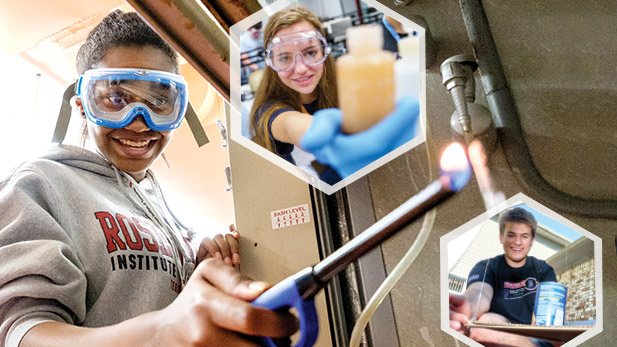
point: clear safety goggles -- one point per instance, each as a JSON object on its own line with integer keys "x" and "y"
{"x": 283, "y": 50}
{"x": 114, "y": 97}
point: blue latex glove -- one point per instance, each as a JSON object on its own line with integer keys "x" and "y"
{"x": 349, "y": 153}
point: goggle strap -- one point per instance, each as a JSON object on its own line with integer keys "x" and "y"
{"x": 64, "y": 116}
{"x": 198, "y": 131}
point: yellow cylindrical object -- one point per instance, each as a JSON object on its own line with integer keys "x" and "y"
{"x": 255, "y": 79}
{"x": 365, "y": 78}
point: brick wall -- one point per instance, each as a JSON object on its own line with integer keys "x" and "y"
{"x": 580, "y": 281}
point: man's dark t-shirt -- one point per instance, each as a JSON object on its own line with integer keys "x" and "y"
{"x": 514, "y": 289}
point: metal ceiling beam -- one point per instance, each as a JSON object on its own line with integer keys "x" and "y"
{"x": 200, "y": 39}
{"x": 229, "y": 12}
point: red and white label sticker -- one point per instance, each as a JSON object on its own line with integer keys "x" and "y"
{"x": 290, "y": 216}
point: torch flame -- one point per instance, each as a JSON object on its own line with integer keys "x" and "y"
{"x": 478, "y": 159}
{"x": 455, "y": 165}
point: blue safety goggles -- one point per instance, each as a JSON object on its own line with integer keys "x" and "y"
{"x": 114, "y": 97}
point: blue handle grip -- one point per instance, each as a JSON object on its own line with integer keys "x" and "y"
{"x": 285, "y": 295}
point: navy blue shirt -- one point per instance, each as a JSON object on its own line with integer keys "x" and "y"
{"x": 284, "y": 149}
{"x": 514, "y": 289}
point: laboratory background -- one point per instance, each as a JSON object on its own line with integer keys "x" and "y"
{"x": 539, "y": 93}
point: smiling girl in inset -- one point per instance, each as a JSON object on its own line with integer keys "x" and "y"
{"x": 296, "y": 103}
{"x": 298, "y": 81}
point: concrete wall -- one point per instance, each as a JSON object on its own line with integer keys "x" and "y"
{"x": 567, "y": 111}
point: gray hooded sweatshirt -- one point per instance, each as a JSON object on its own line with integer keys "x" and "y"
{"x": 83, "y": 243}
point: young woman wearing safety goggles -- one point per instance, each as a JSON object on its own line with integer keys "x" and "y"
{"x": 300, "y": 82}
{"x": 91, "y": 255}
{"x": 132, "y": 109}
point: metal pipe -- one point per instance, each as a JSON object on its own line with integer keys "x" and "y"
{"x": 415, "y": 207}
{"x": 199, "y": 39}
{"x": 508, "y": 124}
{"x": 454, "y": 78}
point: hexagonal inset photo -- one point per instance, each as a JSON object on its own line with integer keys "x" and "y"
{"x": 522, "y": 277}
{"x": 327, "y": 90}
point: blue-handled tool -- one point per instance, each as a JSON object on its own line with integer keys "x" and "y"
{"x": 299, "y": 290}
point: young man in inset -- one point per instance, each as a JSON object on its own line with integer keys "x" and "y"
{"x": 503, "y": 289}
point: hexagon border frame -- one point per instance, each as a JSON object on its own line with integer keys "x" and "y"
{"x": 514, "y": 200}
{"x": 235, "y": 109}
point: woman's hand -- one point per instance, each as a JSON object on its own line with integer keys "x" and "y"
{"x": 214, "y": 310}
{"x": 350, "y": 153}
{"x": 223, "y": 247}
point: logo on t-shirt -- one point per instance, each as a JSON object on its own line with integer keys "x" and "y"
{"x": 520, "y": 289}
{"x": 473, "y": 277}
